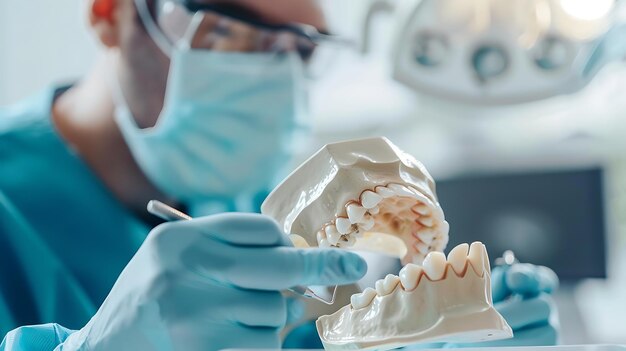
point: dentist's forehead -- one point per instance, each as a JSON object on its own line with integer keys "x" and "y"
{"x": 282, "y": 11}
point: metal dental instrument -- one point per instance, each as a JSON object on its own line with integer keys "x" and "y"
{"x": 168, "y": 213}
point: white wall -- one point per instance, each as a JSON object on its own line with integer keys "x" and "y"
{"x": 42, "y": 42}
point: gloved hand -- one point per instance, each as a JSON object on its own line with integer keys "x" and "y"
{"x": 521, "y": 293}
{"x": 210, "y": 283}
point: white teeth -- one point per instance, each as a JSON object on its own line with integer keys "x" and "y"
{"x": 438, "y": 213}
{"x": 343, "y": 225}
{"x": 477, "y": 256}
{"x": 321, "y": 235}
{"x": 367, "y": 223}
{"x": 426, "y": 221}
{"x": 401, "y": 190}
{"x": 347, "y": 241}
{"x": 363, "y": 299}
{"x": 355, "y": 213}
{"x": 435, "y": 265}
{"x": 422, "y": 248}
{"x": 426, "y": 236}
{"x": 333, "y": 236}
{"x": 458, "y": 257}
{"x": 370, "y": 199}
{"x": 387, "y": 285}
{"x": 385, "y": 192}
{"x": 323, "y": 243}
{"x": 421, "y": 209}
{"x": 374, "y": 210}
{"x": 409, "y": 275}
{"x": 418, "y": 258}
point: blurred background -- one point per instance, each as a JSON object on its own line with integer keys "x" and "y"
{"x": 545, "y": 178}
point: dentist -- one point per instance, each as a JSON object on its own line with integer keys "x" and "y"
{"x": 195, "y": 104}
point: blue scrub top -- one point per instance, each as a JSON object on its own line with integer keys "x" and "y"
{"x": 64, "y": 239}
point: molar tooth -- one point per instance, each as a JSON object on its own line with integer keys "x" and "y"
{"x": 426, "y": 235}
{"x": 457, "y": 257}
{"x": 426, "y": 221}
{"x": 385, "y": 192}
{"x": 435, "y": 265}
{"x": 422, "y": 248}
{"x": 409, "y": 276}
{"x": 343, "y": 225}
{"x": 387, "y": 285}
{"x": 333, "y": 236}
{"x": 370, "y": 199}
{"x": 421, "y": 209}
{"x": 363, "y": 299}
{"x": 401, "y": 190}
{"x": 355, "y": 213}
{"x": 477, "y": 256}
{"x": 374, "y": 210}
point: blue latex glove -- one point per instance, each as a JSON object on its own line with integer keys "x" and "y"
{"x": 210, "y": 283}
{"x": 521, "y": 293}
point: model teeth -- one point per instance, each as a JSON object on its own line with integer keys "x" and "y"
{"x": 370, "y": 199}
{"x": 324, "y": 243}
{"x": 401, "y": 190}
{"x": 347, "y": 241}
{"x": 426, "y": 236}
{"x": 457, "y": 258}
{"x": 332, "y": 235}
{"x": 363, "y": 299}
{"x": 343, "y": 225}
{"x": 422, "y": 248}
{"x": 387, "y": 286}
{"x": 355, "y": 213}
{"x": 421, "y": 209}
{"x": 385, "y": 192}
{"x": 426, "y": 221}
{"x": 476, "y": 256}
{"x": 409, "y": 276}
{"x": 374, "y": 210}
{"x": 367, "y": 223}
{"x": 435, "y": 265}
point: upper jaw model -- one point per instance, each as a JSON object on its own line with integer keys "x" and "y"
{"x": 358, "y": 189}
{"x": 365, "y": 194}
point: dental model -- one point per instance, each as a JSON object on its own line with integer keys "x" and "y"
{"x": 353, "y": 189}
{"x": 443, "y": 300}
{"x": 369, "y": 195}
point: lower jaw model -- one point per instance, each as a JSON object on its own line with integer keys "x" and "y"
{"x": 369, "y": 195}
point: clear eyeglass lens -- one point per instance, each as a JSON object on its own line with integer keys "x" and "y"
{"x": 221, "y": 33}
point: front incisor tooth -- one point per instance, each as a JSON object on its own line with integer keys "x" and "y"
{"x": 385, "y": 192}
{"x": 355, "y": 213}
{"x": 387, "y": 285}
{"x": 370, "y": 199}
{"x": 409, "y": 276}
{"x": 332, "y": 234}
{"x": 363, "y": 299}
{"x": 324, "y": 243}
{"x": 435, "y": 265}
{"x": 343, "y": 225}
{"x": 477, "y": 257}
{"x": 321, "y": 235}
{"x": 458, "y": 257}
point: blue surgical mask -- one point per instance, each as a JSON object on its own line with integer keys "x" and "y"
{"x": 226, "y": 128}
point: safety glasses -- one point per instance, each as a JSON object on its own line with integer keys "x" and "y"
{"x": 224, "y": 26}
